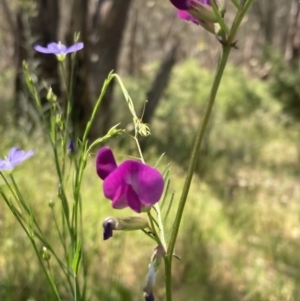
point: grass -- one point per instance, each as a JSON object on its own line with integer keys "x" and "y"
{"x": 243, "y": 247}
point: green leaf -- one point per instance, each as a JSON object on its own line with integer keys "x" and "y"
{"x": 177, "y": 257}
{"x": 159, "y": 159}
{"x": 31, "y": 223}
{"x": 165, "y": 194}
{"x": 77, "y": 258}
{"x": 169, "y": 208}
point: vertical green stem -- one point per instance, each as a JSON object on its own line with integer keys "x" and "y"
{"x": 168, "y": 277}
{"x": 191, "y": 168}
{"x": 227, "y": 45}
{"x": 197, "y": 145}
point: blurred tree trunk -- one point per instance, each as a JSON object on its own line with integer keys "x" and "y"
{"x": 81, "y": 97}
{"x": 132, "y": 42}
{"x": 37, "y": 23}
{"x": 105, "y": 43}
{"x": 265, "y": 12}
{"x": 292, "y": 50}
{"x": 102, "y": 40}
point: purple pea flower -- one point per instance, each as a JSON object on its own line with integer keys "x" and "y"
{"x": 199, "y": 12}
{"x": 131, "y": 184}
{"x": 187, "y": 4}
{"x": 15, "y": 157}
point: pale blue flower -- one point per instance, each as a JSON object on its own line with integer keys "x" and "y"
{"x": 15, "y": 157}
{"x": 58, "y": 48}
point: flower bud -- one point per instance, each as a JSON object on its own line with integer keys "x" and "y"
{"x": 71, "y": 147}
{"x": 148, "y": 297}
{"x": 126, "y": 224}
{"x": 51, "y": 203}
{"x": 202, "y": 11}
{"x": 59, "y": 122}
{"x": 150, "y": 280}
{"x": 114, "y": 132}
{"x": 46, "y": 255}
{"x": 156, "y": 258}
{"x": 51, "y": 96}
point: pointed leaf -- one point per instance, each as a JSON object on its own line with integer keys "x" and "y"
{"x": 77, "y": 259}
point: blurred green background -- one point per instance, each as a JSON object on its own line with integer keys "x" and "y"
{"x": 240, "y": 236}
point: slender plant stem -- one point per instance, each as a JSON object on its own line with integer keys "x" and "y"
{"x": 168, "y": 278}
{"x": 197, "y": 145}
{"x": 96, "y": 107}
{"x": 227, "y": 45}
{"x": 191, "y": 168}
{"x": 237, "y": 21}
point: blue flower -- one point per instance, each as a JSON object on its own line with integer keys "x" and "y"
{"x": 58, "y": 48}
{"x": 15, "y": 157}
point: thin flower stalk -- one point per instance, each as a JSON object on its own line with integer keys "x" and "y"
{"x": 226, "y": 48}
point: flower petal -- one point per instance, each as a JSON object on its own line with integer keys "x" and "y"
{"x": 42, "y": 49}
{"x": 5, "y": 165}
{"x": 118, "y": 198}
{"x": 181, "y": 4}
{"x": 105, "y": 162}
{"x": 184, "y": 15}
{"x": 74, "y": 48}
{"x": 133, "y": 200}
{"x": 17, "y": 156}
{"x": 150, "y": 183}
{"x": 145, "y": 180}
{"x": 57, "y": 48}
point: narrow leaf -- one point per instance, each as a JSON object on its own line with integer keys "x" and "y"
{"x": 169, "y": 207}
{"x": 77, "y": 259}
{"x": 159, "y": 159}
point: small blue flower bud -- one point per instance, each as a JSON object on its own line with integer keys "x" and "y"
{"x": 71, "y": 147}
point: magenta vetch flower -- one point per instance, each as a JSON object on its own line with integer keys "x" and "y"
{"x": 199, "y": 12}
{"x": 131, "y": 184}
{"x": 58, "y": 48}
{"x": 187, "y": 4}
{"x": 15, "y": 157}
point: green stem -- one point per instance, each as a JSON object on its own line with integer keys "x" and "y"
{"x": 191, "y": 168}
{"x": 237, "y": 21}
{"x": 168, "y": 278}
{"x": 198, "y": 141}
{"x": 90, "y": 122}
{"x": 160, "y": 226}
{"x": 30, "y": 236}
{"x": 197, "y": 145}
{"x": 236, "y": 4}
